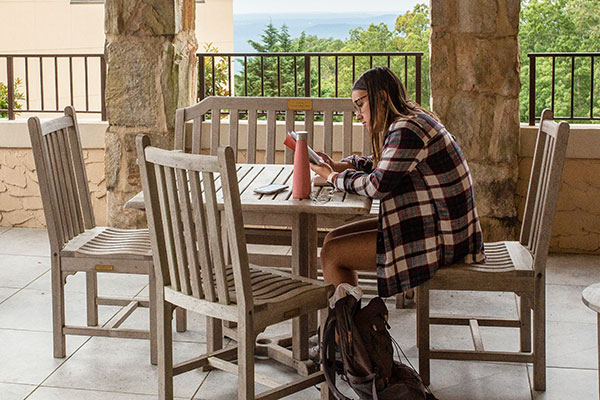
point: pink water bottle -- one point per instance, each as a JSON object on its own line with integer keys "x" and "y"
{"x": 301, "y": 180}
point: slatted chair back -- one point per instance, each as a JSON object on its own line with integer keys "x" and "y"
{"x": 292, "y": 110}
{"x": 181, "y": 193}
{"x": 62, "y": 177}
{"x": 544, "y": 184}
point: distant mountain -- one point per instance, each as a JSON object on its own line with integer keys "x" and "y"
{"x": 336, "y": 25}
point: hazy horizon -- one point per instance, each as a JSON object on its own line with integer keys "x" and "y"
{"x": 310, "y": 6}
{"x": 250, "y": 26}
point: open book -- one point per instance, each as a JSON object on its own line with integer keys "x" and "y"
{"x": 290, "y": 141}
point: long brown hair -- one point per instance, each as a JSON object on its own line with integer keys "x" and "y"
{"x": 388, "y": 102}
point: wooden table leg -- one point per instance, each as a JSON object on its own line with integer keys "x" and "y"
{"x": 304, "y": 263}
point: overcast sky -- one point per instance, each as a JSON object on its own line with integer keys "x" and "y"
{"x": 287, "y": 6}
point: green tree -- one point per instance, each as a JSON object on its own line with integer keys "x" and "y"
{"x": 412, "y": 34}
{"x": 377, "y": 37}
{"x": 220, "y": 72}
{"x": 18, "y": 96}
{"x": 309, "y": 44}
{"x": 413, "y": 29}
{"x": 278, "y": 77}
{"x": 249, "y": 80}
{"x": 559, "y": 26}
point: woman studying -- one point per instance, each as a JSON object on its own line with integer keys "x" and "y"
{"x": 427, "y": 217}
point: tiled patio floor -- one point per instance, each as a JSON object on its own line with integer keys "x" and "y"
{"x": 108, "y": 368}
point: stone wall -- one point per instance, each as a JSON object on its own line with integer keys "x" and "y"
{"x": 20, "y": 201}
{"x": 475, "y": 87}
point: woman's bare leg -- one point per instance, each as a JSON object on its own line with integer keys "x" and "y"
{"x": 344, "y": 254}
{"x": 333, "y": 269}
{"x": 358, "y": 226}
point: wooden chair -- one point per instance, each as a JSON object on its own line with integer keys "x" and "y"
{"x": 76, "y": 243}
{"x": 511, "y": 266}
{"x": 199, "y": 270}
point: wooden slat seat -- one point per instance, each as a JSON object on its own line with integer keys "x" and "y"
{"x": 106, "y": 241}
{"x": 501, "y": 258}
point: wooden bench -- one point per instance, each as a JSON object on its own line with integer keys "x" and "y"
{"x": 256, "y": 127}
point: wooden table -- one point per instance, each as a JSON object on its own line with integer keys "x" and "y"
{"x": 282, "y": 210}
{"x": 591, "y": 298}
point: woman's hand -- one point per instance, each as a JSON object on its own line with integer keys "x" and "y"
{"x": 336, "y": 166}
{"x": 323, "y": 169}
{"x": 326, "y": 158}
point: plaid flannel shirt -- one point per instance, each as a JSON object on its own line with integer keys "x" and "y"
{"x": 427, "y": 215}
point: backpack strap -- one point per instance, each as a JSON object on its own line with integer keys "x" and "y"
{"x": 352, "y": 380}
{"x": 328, "y": 364}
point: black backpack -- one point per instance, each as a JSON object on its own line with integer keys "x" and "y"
{"x": 367, "y": 354}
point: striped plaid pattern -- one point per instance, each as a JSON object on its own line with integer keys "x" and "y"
{"x": 427, "y": 215}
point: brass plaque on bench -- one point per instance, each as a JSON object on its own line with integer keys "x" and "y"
{"x": 299, "y": 104}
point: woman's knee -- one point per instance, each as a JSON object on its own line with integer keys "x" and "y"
{"x": 326, "y": 251}
{"x": 330, "y": 259}
{"x": 330, "y": 235}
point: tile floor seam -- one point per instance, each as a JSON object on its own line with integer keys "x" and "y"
{"x": 572, "y": 368}
{"x": 91, "y": 390}
{"x": 15, "y": 383}
{"x": 26, "y": 330}
{"x": 18, "y": 290}
{"x": 67, "y": 358}
{"x": 200, "y": 386}
{"x": 189, "y": 341}
{"x": 32, "y": 392}
{"x": 530, "y": 383}
{"x": 27, "y": 284}
{"x": 23, "y": 255}
{"x": 39, "y": 277}
{"x": 566, "y": 284}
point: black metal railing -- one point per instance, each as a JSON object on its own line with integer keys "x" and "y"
{"x": 304, "y": 72}
{"x": 576, "y": 100}
{"x": 46, "y": 83}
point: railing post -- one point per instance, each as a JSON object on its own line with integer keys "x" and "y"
{"x": 307, "y": 75}
{"x": 214, "y": 87}
{"x": 418, "y": 79}
{"x": 103, "y": 88}
{"x": 11, "y": 87}
{"x": 531, "y": 90}
{"x": 200, "y": 78}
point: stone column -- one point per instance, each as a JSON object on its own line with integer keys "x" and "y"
{"x": 475, "y": 90}
{"x": 150, "y": 52}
